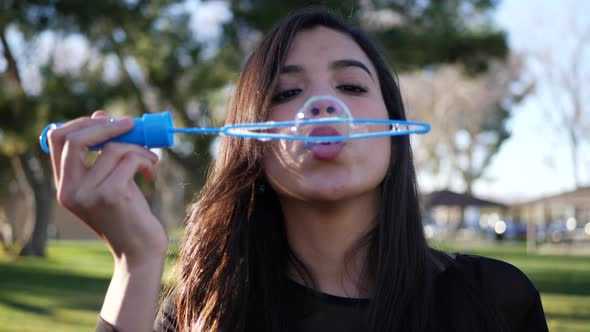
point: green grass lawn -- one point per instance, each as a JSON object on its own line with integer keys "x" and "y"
{"x": 64, "y": 291}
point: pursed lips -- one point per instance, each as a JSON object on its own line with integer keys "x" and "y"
{"x": 325, "y": 150}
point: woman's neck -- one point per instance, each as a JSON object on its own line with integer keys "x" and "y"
{"x": 326, "y": 236}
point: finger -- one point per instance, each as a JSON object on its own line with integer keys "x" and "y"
{"x": 76, "y": 145}
{"x": 116, "y": 191}
{"x": 100, "y": 114}
{"x": 148, "y": 174}
{"x": 56, "y": 139}
{"x": 110, "y": 156}
{"x": 123, "y": 174}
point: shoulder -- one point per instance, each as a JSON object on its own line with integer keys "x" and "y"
{"x": 495, "y": 280}
{"x": 494, "y": 293}
{"x": 503, "y": 288}
{"x": 499, "y": 281}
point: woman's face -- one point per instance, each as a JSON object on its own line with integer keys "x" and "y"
{"x": 322, "y": 61}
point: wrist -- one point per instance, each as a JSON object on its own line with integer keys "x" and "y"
{"x": 141, "y": 245}
{"x": 131, "y": 300}
{"x": 139, "y": 262}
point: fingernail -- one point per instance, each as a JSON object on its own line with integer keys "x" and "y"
{"x": 124, "y": 122}
{"x": 154, "y": 157}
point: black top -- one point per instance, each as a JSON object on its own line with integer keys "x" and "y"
{"x": 465, "y": 288}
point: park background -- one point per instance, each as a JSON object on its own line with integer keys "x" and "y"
{"x": 505, "y": 171}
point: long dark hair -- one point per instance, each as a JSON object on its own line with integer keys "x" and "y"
{"x": 235, "y": 254}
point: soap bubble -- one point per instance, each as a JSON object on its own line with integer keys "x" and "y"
{"x": 337, "y": 117}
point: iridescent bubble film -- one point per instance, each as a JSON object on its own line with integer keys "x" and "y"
{"x": 323, "y": 108}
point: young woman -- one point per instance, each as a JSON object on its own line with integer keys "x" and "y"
{"x": 288, "y": 236}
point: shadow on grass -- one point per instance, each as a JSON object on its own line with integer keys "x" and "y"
{"x": 522, "y": 256}
{"x": 561, "y": 282}
{"x": 568, "y": 275}
{"x": 21, "y": 285}
{"x": 25, "y": 307}
{"x": 573, "y": 316}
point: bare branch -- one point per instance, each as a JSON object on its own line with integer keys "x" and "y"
{"x": 12, "y": 67}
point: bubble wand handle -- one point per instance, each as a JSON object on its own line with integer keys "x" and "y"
{"x": 151, "y": 130}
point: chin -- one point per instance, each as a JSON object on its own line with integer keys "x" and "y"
{"x": 317, "y": 192}
{"x": 325, "y": 182}
{"x": 326, "y": 196}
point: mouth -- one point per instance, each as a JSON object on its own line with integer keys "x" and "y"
{"x": 325, "y": 150}
{"x": 320, "y": 131}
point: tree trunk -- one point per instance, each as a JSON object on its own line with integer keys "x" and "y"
{"x": 575, "y": 162}
{"x": 468, "y": 180}
{"x": 22, "y": 222}
{"x": 38, "y": 173}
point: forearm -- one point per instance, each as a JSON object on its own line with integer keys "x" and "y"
{"x": 131, "y": 300}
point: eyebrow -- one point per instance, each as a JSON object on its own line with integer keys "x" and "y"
{"x": 291, "y": 69}
{"x": 338, "y": 64}
{"x": 345, "y": 63}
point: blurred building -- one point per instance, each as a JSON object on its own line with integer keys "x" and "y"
{"x": 446, "y": 211}
{"x": 564, "y": 216}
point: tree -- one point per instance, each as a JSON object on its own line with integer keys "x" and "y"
{"x": 142, "y": 57}
{"x": 16, "y": 109}
{"x": 412, "y": 34}
{"x": 468, "y": 114}
{"x": 563, "y": 76}
{"x": 23, "y": 113}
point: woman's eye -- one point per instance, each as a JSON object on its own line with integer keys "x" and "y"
{"x": 352, "y": 89}
{"x": 285, "y": 95}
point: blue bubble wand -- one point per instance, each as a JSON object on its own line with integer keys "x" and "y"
{"x": 156, "y": 130}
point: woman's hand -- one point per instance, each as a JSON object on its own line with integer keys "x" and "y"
{"x": 104, "y": 195}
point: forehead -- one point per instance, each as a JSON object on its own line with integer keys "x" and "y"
{"x": 320, "y": 44}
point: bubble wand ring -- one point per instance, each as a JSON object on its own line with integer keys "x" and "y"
{"x": 397, "y": 128}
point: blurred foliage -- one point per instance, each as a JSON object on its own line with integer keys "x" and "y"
{"x": 161, "y": 64}
{"x": 146, "y": 47}
{"x": 469, "y": 114}
{"x": 412, "y": 34}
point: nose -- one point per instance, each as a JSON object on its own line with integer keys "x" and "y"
{"x": 317, "y": 109}
{"x": 323, "y": 107}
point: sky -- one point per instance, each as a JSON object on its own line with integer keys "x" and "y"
{"x": 535, "y": 160}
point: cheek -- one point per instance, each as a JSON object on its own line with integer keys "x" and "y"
{"x": 282, "y": 112}
{"x": 271, "y": 169}
{"x": 368, "y": 108}
{"x": 279, "y": 162}
{"x": 378, "y": 156}
{"x": 271, "y": 161}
